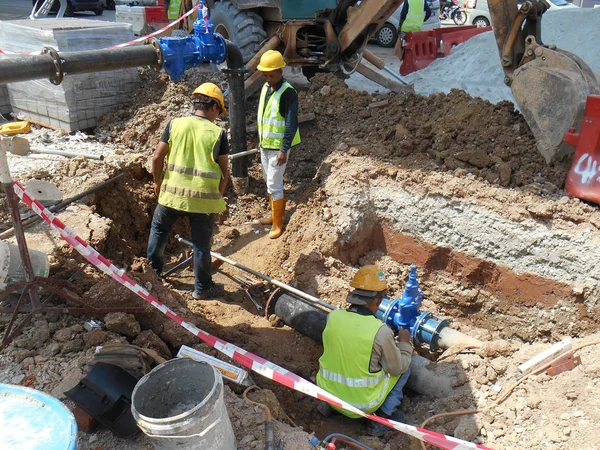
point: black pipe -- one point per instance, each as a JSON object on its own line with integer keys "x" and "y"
{"x": 54, "y": 65}
{"x": 237, "y": 107}
{"x": 302, "y": 316}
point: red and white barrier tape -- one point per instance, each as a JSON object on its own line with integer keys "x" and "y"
{"x": 245, "y": 358}
{"x": 125, "y": 44}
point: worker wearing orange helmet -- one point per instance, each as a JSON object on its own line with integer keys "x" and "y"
{"x": 362, "y": 363}
{"x": 190, "y": 167}
{"x": 277, "y": 121}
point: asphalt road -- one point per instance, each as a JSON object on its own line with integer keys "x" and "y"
{"x": 20, "y": 9}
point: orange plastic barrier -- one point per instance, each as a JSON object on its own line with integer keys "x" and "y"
{"x": 423, "y": 47}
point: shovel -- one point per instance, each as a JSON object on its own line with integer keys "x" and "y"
{"x": 20, "y": 146}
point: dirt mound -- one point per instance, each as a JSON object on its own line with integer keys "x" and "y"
{"x": 444, "y": 132}
{"x": 140, "y": 121}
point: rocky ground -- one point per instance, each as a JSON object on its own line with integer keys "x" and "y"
{"x": 448, "y": 182}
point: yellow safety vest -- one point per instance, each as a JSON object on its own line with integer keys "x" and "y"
{"x": 173, "y": 11}
{"x": 192, "y": 176}
{"x": 271, "y": 124}
{"x": 415, "y": 17}
{"x": 344, "y": 366}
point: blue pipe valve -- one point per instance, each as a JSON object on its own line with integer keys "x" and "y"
{"x": 204, "y": 47}
{"x": 404, "y": 312}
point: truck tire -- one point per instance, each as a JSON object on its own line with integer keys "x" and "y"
{"x": 242, "y": 27}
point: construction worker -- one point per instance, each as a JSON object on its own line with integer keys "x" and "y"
{"x": 171, "y": 10}
{"x": 362, "y": 363}
{"x": 414, "y": 13}
{"x": 190, "y": 170}
{"x": 277, "y": 132}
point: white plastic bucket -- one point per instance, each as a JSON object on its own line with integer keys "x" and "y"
{"x": 180, "y": 406}
{"x": 12, "y": 269}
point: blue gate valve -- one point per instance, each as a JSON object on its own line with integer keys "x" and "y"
{"x": 404, "y": 312}
{"x": 203, "y": 47}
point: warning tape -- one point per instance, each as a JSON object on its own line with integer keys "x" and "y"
{"x": 245, "y": 358}
{"x": 125, "y": 44}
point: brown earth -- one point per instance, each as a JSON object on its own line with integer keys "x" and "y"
{"x": 451, "y": 145}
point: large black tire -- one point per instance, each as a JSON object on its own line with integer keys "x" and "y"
{"x": 387, "y": 35}
{"x": 99, "y": 10}
{"x": 244, "y": 28}
{"x": 110, "y": 5}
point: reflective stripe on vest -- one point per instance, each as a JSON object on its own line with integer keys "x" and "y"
{"x": 192, "y": 176}
{"x": 415, "y": 17}
{"x": 173, "y": 11}
{"x": 271, "y": 124}
{"x": 344, "y": 367}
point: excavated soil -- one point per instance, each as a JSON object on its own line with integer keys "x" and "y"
{"x": 452, "y": 148}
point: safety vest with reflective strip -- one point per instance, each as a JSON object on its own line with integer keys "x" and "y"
{"x": 192, "y": 176}
{"x": 415, "y": 17}
{"x": 271, "y": 124}
{"x": 344, "y": 366}
{"x": 173, "y": 11}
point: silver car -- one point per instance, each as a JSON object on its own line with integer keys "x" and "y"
{"x": 388, "y": 33}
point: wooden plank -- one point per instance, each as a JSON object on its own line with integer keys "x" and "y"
{"x": 253, "y": 83}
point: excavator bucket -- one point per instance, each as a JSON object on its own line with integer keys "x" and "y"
{"x": 550, "y": 85}
{"x": 551, "y": 91}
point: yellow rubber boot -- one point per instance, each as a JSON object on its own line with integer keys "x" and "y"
{"x": 278, "y": 215}
{"x": 268, "y": 219}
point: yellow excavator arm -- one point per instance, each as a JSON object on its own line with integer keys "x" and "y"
{"x": 550, "y": 85}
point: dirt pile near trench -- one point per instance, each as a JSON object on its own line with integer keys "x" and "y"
{"x": 444, "y": 132}
{"x": 140, "y": 121}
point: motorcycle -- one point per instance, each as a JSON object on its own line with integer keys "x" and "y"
{"x": 452, "y": 11}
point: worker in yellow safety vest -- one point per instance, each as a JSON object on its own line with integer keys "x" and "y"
{"x": 190, "y": 167}
{"x": 171, "y": 10}
{"x": 362, "y": 362}
{"x": 277, "y": 121}
{"x": 414, "y": 13}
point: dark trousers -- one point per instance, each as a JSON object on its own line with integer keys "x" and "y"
{"x": 202, "y": 229}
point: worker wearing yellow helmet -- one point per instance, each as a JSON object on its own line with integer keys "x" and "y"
{"x": 277, "y": 121}
{"x": 190, "y": 170}
{"x": 362, "y": 362}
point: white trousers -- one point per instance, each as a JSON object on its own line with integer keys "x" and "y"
{"x": 272, "y": 172}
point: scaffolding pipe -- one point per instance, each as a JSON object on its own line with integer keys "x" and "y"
{"x": 277, "y": 283}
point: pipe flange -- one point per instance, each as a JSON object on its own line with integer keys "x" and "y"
{"x": 159, "y": 54}
{"x": 435, "y": 333}
{"x": 270, "y": 306}
{"x": 59, "y": 75}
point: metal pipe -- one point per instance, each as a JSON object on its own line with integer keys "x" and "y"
{"x": 246, "y": 153}
{"x": 237, "y": 107}
{"x": 278, "y": 283}
{"x": 67, "y": 154}
{"x": 54, "y": 65}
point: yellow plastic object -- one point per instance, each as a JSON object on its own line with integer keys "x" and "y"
{"x": 271, "y": 60}
{"x": 213, "y": 91}
{"x": 369, "y": 278}
{"x": 15, "y": 128}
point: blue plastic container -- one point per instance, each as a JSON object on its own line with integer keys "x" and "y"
{"x": 32, "y": 420}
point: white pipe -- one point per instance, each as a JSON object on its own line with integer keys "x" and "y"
{"x": 450, "y": 338}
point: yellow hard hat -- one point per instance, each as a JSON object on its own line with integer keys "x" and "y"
{"x": 369, "y": 278}
{"x": 271, "y": 60}
{"x": 213, "y": 91}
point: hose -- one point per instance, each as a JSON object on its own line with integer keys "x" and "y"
{"x": 269, "y": 429}
{"x": 509, "y": 391}
{"x": 346, "y": 440}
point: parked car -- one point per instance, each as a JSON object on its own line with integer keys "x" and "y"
{"x": 478, "y": 13}
{"x": 388, "y": 33}
{"x": 97, "y": 6}
{"x": 586, "y": 3}
{"x": 554, "y": 5}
